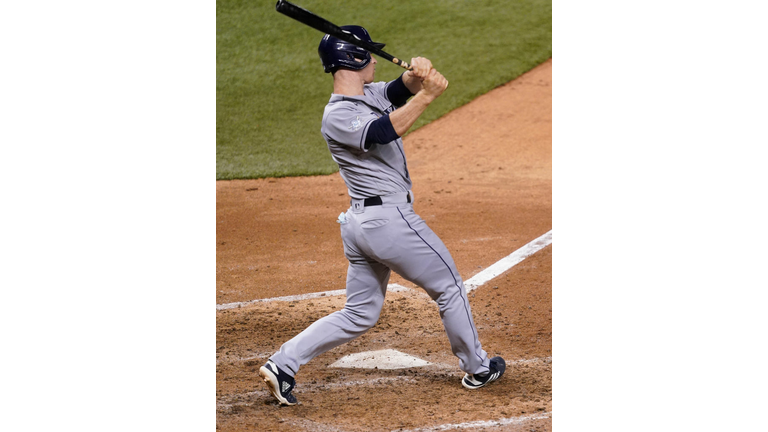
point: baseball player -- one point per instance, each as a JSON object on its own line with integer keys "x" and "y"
{"x": 362, "y": 124}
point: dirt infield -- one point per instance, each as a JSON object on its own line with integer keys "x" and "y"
{"x": 482, "y": 178}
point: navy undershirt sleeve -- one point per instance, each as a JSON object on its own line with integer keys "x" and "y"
{"x": 380, "y": 131}
{"x": 397, "y": 92}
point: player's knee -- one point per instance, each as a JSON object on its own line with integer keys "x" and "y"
{"x": 362, "y": 318}
{"x": 363, "y": 321}
{"x": 449, "y": 295}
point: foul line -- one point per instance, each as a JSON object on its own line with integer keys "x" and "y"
{"x": 482, "y": 423}
{"x": 473, "y": 283}
{"x": 509, "y": 261}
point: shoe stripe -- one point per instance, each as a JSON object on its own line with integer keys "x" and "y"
{"x": 470, "y": 381}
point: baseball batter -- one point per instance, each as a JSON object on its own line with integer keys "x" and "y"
{"x": 362, "y": 124}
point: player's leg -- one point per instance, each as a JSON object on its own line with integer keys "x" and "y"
{"x": 366, "y": 287}
{"x": 418, "y": 254}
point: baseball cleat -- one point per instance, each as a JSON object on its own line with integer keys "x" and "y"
{"x": 496, "y": 370}
{"x": 279, "y": 383}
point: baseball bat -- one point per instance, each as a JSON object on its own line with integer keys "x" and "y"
{"x": 306, "y": 17}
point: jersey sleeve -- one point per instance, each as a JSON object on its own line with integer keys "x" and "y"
{"x": 347, "y": 124}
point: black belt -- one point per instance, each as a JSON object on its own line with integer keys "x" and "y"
{"x": 375, "y": 201}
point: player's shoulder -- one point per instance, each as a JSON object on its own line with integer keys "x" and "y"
{"x": 338, "y": 113}
{"x": 339, "y": 105}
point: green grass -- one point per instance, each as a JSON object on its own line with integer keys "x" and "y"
{"x": 271, "y": 89}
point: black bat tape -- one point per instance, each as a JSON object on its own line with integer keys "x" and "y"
{"x": 306, "y": 17}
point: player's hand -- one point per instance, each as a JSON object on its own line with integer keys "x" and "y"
{"x": 420, "y": 67}
{"x": 434, "y": 84}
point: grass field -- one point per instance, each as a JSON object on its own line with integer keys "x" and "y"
{"x": 271, "y": 89}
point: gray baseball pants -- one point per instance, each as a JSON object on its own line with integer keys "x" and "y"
{"x": 378, "y": 239}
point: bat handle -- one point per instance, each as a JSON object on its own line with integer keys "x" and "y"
{"x": 401, "y": 63}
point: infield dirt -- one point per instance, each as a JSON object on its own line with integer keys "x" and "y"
{"x": 482, "y": 178}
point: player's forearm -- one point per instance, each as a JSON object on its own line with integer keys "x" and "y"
{"x": 404, "y": 117}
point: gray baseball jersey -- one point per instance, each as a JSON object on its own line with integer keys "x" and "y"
{"x": 379, "y": 170}
{"x": 381, "y": 237}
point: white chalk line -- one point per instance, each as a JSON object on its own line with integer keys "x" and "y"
{"x": 309, "y": 425}
{"x": 473, "y": 283}
{"x": 510, "y": 421}
{"x": 452, "y": 368}
{"x": 382, "y": 380}
{"x": 286, "y": 298}
{"x": 319, "y": 427}
{"x": 390, "y": 288}
{"x": 509, "y": 261}
{"x": 482, "y": 423}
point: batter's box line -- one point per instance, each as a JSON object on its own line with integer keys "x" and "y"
{"x": 309, "y": 296}
{"x": 510, "y": 421}
{"x": 452, "y": 367}
{"x": 482, "y": 423}
{"x": 473, "y": 283}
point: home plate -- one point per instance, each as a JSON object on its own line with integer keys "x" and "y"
{"x": 382, "y": 359}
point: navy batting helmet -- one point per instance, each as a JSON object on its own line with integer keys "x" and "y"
{"x": 336, "y": 53}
